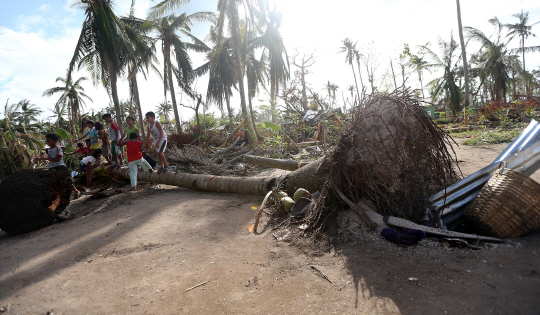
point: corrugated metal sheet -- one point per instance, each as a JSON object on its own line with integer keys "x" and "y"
{"x": 522, "y": 155}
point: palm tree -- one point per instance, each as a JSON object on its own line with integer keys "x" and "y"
{"x": 331, "y": 88}
{"x": 492, "y": 57}
{"x": 25, "y": 115}
{"x": 58, "y": 113}
{"x": 349, "y": 48}
{"x": 171, "y": 43}
{"x": 447, "y": 61}
{"x": 463, "y": 55}
{"x": 222, "y": 71}
{"x": 523, "y": 31}
{"x": 104, "y": 46}
{"x": 418, "y": 64}
{"x": 72, "y": 94}
{"x": 164, "y": 109}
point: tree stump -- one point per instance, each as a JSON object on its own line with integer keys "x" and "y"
{"x": 31, "y": 199}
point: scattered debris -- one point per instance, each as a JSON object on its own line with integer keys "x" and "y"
{"x": 406, "y": 236}
{"x": 321, "y": 274}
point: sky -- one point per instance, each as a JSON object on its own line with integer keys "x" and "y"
{"x": 37, "y": 39}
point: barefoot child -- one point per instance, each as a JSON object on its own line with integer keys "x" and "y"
{"x": 160, "y": 140}
{"x": 87, "y": 166}
{"x": 135, "y": 159}
{"x": 114, "y": 135}
{"x": 54, "y": 156}
{"x": 105, "y": 142}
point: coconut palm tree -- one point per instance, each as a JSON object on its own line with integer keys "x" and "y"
{"x": 523, "y": 31}
{"x": 448, "y": 62}
{"x": 492, "y": 57}
{"x": 164, "y": 109}
{"x": 72, "y": 95}
{"x": 419, "y": 64}
{"x": 171, "y": 43}
{"x": 349, "y": 48}
{"x": 26, "y": 115}
{"x": 104, "y": 46}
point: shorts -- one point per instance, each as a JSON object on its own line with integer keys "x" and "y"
{"x": 162, "y": 146}
{"x": 95, "y": 146}
{"x": 105, "y": 150}
{"x": 115, "y": 150}
{"x": 83, "y": 167}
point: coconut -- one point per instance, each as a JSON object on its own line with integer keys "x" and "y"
{"x": 301, "y": 192}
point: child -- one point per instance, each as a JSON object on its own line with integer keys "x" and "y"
{"x": 130, "y": 121}
{"x": 81, "y": 152}
{"x": 55, "y": 159}
{"x": 105, "y": 142}
{"x": 114, "y": 135}
{"x": 160, "y": 140}
{"x": 87, "y": 165}
{"x": 94, "y": 138}
{"x": 135, "y": 159}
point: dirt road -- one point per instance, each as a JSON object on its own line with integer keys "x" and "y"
{"x": 138, "y": 253}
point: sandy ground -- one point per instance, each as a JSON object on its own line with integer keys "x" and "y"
{"x": 138, "y": 253}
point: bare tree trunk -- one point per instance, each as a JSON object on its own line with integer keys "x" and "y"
{"x": 114, "y": 92}
{"x": 355, "y": 82}
{"x": 289, "y": 165}
{"x": 231, "y": 118}
{"x": 304, "y": 94}
{"x": 463, "y": 55}
{"x": 137, "y": 101}
{"x": 171, "y": 87}
{"x": 273, "y": 100}
{"x": 259, "y": 137}
{"x": 393, "y": 74}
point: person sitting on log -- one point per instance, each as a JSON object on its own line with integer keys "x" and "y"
{"x": 135, "y": 158}
{"x": 87, "y": 166}
{"x": 81, "y": 152}
{"x": 55, "y": 158}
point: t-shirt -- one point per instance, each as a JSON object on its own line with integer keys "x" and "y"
{"x": 154, "y": 130}
{"x": 83, "y": 151}
{"x": 54, "y": 153}
{"x": 93, "y": 133}
{"x": 114, "y": 131}
{"x": 88, "y": 159}
{"x": 85, "y": 130}
{"x": 133, "y": 149}
{"x": 129, "y": 131}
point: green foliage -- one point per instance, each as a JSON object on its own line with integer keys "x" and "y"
{"x": 493, "y": 137}
{"x": 62, "y": 133}
{"x": 271, "y": 125}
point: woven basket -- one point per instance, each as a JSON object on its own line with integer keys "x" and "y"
{"x": 507, "y": 206}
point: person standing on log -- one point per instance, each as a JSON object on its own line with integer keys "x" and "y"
{"x": 56, "y": 160}
{"x": 135, "y": 158}
{"x": 160, "y": 140}
{"x": 114, "y": 135}
{"x": 105, "y": 142}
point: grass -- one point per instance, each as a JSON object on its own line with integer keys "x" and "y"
{"x": 494, "y": 136}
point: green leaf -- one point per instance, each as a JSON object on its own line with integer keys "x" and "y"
{"x": 268, "y": 124}
{"x": 62, "y": 133}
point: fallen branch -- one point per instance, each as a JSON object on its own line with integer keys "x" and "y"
{"x": 370, "y": 224}
{"x": 239, "y": 158}
{"x": 289, "y": 165}
{"x": 234, "y": 133}
{"x": 198, "y": 285}
{"x": 223, "y": 151}
{"x": 321, "y": 273}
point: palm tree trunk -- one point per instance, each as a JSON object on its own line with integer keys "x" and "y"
{"x": 393, "y": 74}
{"x": 231, "y": 118}
{"x": 463, "y": 55}
{"x": 421, "y": 84}
{"x": 259, "y": 137}
{"x": 114, "y": 92}
{"x": 137, "y": 101}
{"x": 527, "y": 90}
{"x": 356, "y": 83}
{"x": 236, "y": 43}
{"x": 359, "y": 74}
{"x": 304, "y": 94}
{"x": 171, "y": 88}
{"x": 273, "y": 99}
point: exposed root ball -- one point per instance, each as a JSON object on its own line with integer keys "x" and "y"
{"x": 30, "y": 199}
{"x": 391, "y": 153}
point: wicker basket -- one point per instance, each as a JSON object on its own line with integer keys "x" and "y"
{"x": 507, "y": 206}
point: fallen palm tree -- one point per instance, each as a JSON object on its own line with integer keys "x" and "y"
{"x": 289, "y": 165}
{"x": 391, "y": 153}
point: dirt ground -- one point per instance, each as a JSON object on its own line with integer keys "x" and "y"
{"x": 138, "y": 253}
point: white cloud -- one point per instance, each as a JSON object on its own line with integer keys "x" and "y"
{"x": 27, "y": 22}
{"x": 44, "y": 7}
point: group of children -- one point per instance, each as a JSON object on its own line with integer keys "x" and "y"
{"x": 100, "y": 143}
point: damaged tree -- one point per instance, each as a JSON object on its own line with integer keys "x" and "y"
{"x": 31, "y": 199}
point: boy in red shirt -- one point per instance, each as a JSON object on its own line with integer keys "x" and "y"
{"x": 135, "y": 157}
